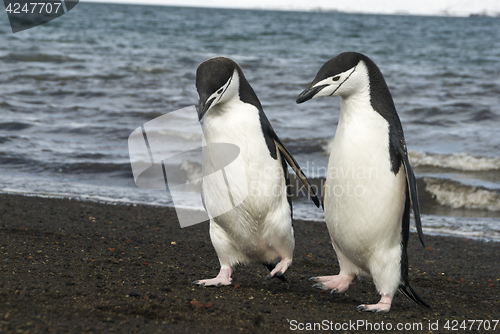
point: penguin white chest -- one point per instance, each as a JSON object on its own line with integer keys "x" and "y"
{"x": 364, "y": 199}
{"x": 262, "y": 177}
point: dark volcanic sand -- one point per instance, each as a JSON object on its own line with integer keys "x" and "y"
{"x": 76, "y": 266}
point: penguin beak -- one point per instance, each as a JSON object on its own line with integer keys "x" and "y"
{"x": 309, "y": 93}
{"x": 203, "y": 107}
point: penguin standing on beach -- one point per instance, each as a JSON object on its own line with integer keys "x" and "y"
{"x": 370, "y": 187}
{"x": 259, "y": 230}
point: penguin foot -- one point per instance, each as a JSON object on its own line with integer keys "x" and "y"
{"x": 336, "y": 283}
{"x": 223, "y": 278}
{"x": 384, "y": 305}
{"x": 281, "y": 267}
{"x": 278, "y": 274}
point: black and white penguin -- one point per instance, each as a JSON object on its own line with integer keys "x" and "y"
{"x": 259, "y": 230}
{"x": 370, "y": 187}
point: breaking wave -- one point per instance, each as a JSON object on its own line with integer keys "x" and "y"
{"x": 457, "y": 195}
{"x": 459, "y": 161}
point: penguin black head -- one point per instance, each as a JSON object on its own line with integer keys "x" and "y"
{"x": 343, "y": 75}
{"x": 351, "y": 73}
{"x": 220, "y": 79}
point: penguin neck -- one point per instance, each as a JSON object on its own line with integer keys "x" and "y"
{"x": 229, "y": 107}
{"x": 247, "y": 94}
{"x": 356, "y": 106}
{"x": 361, "y": 131}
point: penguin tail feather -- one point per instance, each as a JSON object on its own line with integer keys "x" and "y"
{"x": 408, "y": 291}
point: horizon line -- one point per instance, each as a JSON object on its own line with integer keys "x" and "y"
{"x": 445, "y": 13}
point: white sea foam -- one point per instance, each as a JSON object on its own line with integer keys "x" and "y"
{"x": 459, "y": 161}
{"x": 53, "y": 194}
{"x": 487, "y": 229}
{"x": 457, "y": 195}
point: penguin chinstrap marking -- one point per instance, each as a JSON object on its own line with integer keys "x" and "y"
{"x": 370, "y": 187}
{"x": 259, "y": 230}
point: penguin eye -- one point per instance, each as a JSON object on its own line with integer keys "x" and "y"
{"x": 336, "y": 78}
{"x": 220, "y": 91}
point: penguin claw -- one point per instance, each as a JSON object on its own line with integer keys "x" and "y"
{"x": 318, "y": 285}
{"x": 281, "y": 267}
{"x": 332, "y": 291}
{"x": 224, "y": 278}
{"x": 361, "y": 308}
{"x": 384, "y": 305}
{"x": 278, "y": 275}
{"x": 197, "y": 282}
{"x": 340, "y": 283}
{"x": 364, "y": 308}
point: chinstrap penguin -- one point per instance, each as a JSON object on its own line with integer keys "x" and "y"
{"x": 370, "y": 187}
{"x": 259, "y": 230}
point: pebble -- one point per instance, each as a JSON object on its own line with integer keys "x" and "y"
{"x": 201, "y": 305}
{"x": 133, "y": 294}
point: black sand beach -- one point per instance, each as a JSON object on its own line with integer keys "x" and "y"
{"x": 85, "y": 267}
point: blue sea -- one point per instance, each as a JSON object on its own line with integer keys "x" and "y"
{"x": 74, "y": 89}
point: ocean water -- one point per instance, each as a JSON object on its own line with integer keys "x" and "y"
{"x": 74, "y": 89}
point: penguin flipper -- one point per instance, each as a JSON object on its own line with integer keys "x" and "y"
{"x": 412, "y": 186}
{"x": 405, "y": 288}
{"x": 323, "y": 195}
{"x": 287, "y": 184}
{"x": 298, "y": 171}
{"x": 274, "y": 144}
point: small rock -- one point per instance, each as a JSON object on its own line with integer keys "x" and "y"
{"x": 196, "y": 303}
{"x": 133, "y": 294}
